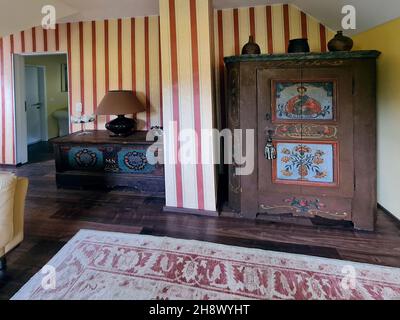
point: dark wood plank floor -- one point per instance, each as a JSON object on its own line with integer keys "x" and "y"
{"x": 53, "y": 216}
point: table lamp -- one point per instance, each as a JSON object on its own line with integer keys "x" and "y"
{"x": 120, "y": 103}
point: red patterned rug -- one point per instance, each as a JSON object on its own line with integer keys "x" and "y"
{"x": 100, "y": 265}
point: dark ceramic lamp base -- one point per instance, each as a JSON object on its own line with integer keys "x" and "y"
{"x": 298, "y": 46}
{"x": 121, "y": 126}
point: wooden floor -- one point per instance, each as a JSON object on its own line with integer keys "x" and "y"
{"x": 53, "y": 216}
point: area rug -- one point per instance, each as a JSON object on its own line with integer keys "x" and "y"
{"x": 112, "y": 266}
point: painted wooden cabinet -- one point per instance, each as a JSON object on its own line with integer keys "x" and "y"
{"x": 314, "y": 123}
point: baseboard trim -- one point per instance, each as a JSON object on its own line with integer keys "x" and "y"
{"x": 191, "y": 211}
{"x": 9, "y": 166}
{"x": 386, "y": 211}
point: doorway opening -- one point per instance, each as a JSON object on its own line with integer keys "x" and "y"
{"x": 41, "y": 104}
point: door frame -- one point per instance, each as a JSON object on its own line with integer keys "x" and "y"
{"x": 20, "y": 124}
{"x": 20, "y": 131}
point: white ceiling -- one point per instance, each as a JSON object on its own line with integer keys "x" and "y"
{"x": 16, "y": 15}
{"x": 370, "y": 13}
{"x": 109, "y": 9}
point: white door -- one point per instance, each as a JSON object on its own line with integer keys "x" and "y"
{"x": 20, "y": 111}
{"x": 33, "y": 105}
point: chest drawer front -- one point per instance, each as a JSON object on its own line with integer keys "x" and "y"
{"x": 135, "y": 160}
{"x": 84, "y": 158}
{"x": 116, "y": 159}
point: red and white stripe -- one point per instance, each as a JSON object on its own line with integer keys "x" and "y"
{"x": 131, "y": 54}
{"x": 272, "y": 28}
{"x": 102, "y": 55}
{"x": 187, "y": 65}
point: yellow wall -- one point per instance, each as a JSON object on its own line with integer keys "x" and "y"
{"x": 385, "y": 38}
{"x": 56, "y": 99}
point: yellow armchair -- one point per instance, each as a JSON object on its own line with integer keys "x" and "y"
{"x": 12, "y": 206}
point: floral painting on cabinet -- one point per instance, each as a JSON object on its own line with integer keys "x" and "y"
{"x": 306, "y": 162}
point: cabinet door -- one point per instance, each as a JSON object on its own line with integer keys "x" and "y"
{"x": 309, "y": 115}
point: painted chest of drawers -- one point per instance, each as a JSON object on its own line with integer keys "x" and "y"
{"x": 96, "y": 160}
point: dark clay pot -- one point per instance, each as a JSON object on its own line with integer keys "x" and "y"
{"x": 340, "y": 43}
{"x": 251, "y": 47}
{"x": 298, "y": 46}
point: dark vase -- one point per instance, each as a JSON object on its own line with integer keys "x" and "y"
{"x": 298, "y": 46}
{"x": 340, "y": 43}
{"x": 251, "y": 47}
{"x": 121, "y": 126}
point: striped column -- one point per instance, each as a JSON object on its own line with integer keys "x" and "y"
{"x": 187, "y": 66}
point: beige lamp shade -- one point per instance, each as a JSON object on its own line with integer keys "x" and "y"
{"x": 120, "y": 103}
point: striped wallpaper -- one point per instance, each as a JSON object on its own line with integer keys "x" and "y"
{"x": 132, "y": 54}
{"x": 272, "y": 27}
{"x": 187, "y": 73}
{"x": 102, "y": 56}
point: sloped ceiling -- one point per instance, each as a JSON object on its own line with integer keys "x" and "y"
{"x": 370, "y": 13}
{"x": 16, "y": 15}
{"x": 109, "y": 9}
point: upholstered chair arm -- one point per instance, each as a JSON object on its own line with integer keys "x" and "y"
{"x": 8, "y": 185}
{"x": 19, "y": 213}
